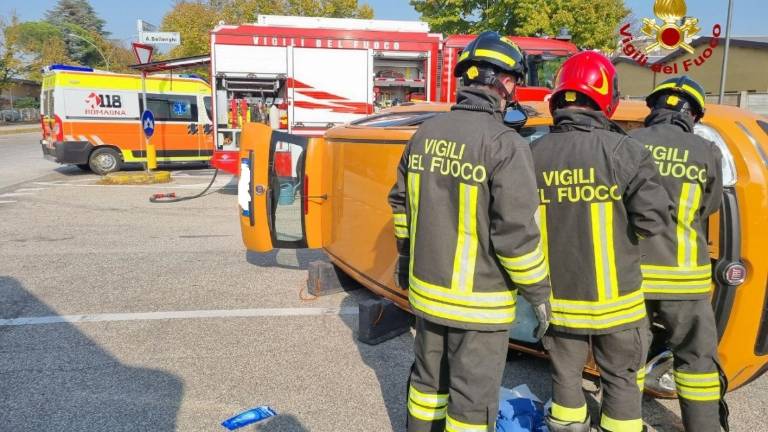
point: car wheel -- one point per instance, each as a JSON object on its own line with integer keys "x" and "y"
{"x": 105, "y": 160}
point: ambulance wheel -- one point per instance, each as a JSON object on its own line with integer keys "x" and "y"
{"x": 105, "y": 160}
{"x": 84, "y": 167}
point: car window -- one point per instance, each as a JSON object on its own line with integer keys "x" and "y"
{"x": 208, "y": 107}
{"x": 533, "y": 133}
{"x": 395, "y": 119}
{"x": 171, "y": 108}
{"x": 753, "y": 140}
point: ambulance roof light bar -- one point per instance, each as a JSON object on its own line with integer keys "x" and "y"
{"x": 66, "y": 67}
{"x": 342, "y": 23}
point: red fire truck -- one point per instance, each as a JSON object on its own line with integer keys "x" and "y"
{"x": 303, "y": 75}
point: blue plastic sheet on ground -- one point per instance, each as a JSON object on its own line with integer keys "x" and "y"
{"x": 520, "y": 411}
{"x": 249, "y": 417}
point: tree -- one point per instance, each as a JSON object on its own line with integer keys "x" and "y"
{"x": 77, "y": 12}
{"x": 11, "y": 65}
{"x": 38, "y": 44}
{"x": 592, "y": 24}
{"x": 195, "y": 19}
{"x": 78, "y": 17}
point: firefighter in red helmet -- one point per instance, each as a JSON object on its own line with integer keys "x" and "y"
{"x": 600, "y": 194}
{"x": 468, "y": 242}
{"x": 677, "y": 275}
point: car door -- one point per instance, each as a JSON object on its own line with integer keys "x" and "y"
{"x": 280, "y": 192}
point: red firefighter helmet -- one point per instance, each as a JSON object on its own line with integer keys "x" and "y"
{"x": 587, "y": 75}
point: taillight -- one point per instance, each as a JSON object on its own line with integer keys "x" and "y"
{"x": 283, "y": 119}
{"x": 43, "y": 128}
{"x": 58, "y": 128}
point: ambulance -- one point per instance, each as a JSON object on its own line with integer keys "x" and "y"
{"x": 91, "y": 118}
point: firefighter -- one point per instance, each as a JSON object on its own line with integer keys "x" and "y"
{"x": 599, "y": 193}
{"x": 677, "y": 274}
{"x": 464, "y": 211}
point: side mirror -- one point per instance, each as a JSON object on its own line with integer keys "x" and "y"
{"x": 515, "y": 117}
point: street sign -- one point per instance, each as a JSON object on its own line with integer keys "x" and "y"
{"x": 142, "y": 26}
{"x": 142, "y": 52}
{"x": 148, "y": 123}
{"x": 169, "y": 38}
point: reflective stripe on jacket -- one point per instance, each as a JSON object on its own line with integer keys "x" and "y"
{"x": 599, "y": 192}
{"x": 676, "y": 263}
{"x": 464, "y": 209}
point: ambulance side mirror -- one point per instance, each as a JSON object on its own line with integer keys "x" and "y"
{"x": 515, "y": 117}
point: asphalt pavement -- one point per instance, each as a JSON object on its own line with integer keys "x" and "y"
{"x": 121, "y": 315}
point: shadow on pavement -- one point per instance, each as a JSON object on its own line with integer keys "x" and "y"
{"x": 54, "y": 377}
{"x": 387, "y": 362}
{"x": 282, "y": 423}
{"x": 293, "y": 259}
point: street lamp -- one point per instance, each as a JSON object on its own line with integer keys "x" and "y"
{"x": 106, "y": 62}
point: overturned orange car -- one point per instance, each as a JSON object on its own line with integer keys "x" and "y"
{"x": 331, "y": 193}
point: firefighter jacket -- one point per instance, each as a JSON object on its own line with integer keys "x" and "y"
{"x": 599, "y": 193}
{"x": 676, "y": 263}
{"x": 464, "y": 211}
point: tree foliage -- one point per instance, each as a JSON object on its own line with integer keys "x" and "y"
{"x": 11, "y": 65}
{"x": 593, "y": 24}
{"x": 195, "y": 19}
{"x": 81, "y": 29}
{"x": 40, "y": 44}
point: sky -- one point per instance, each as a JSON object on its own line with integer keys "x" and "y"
{"x": 121, "y": 15}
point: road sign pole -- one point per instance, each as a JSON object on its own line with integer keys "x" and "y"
{"x": 145, "y": 141}
{"x": 724, "y": 70}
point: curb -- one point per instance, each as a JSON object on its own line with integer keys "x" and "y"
{"x": 18, "y": 131}
{"x": 128, "y": 178}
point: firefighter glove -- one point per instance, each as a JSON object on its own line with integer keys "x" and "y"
{"x": 401, "y": 271}
{"x": 543, "y": 316}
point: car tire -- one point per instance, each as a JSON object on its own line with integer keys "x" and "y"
{"x": 84, "y": 167}
{"x": 105, "y": 160}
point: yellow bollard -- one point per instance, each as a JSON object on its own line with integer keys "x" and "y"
{"x": 151, "y": 157}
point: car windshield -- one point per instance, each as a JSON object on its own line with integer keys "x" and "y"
{"x": 395, "y": 119}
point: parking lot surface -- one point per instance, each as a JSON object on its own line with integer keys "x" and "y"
{"x": 117, "y": 314}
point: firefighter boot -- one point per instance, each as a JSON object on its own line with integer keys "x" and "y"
{"x": 557, "y": 426}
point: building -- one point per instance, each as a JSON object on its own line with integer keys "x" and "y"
{"x": 19, "y": 88}
{"x": 747, "y": 60}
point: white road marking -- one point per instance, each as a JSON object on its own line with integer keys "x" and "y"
{"x": 29, "y": 189}
{"x": 13, "y": 194}
{"x": 168, "y": 315}
{"x": 7, "y": 202}
{"x": 216, "y": 186}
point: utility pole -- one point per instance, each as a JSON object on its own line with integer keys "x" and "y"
{"x": 724, "y": 70}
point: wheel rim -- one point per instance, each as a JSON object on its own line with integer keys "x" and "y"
{"x": 105, "y": 162}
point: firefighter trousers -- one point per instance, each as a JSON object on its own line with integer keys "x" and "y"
{"x": 455, "y": 379}
{"x": 692, "y": 337}
{"x": 620, "y": 357}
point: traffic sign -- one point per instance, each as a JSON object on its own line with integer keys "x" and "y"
{"x": 148, "y": 123}
{"x": 170, "y": 38}
{"x": 142, "y": 52}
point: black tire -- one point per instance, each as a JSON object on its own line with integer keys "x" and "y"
{"x": 84, "y": 167}
{"x": 105, "y": 160}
